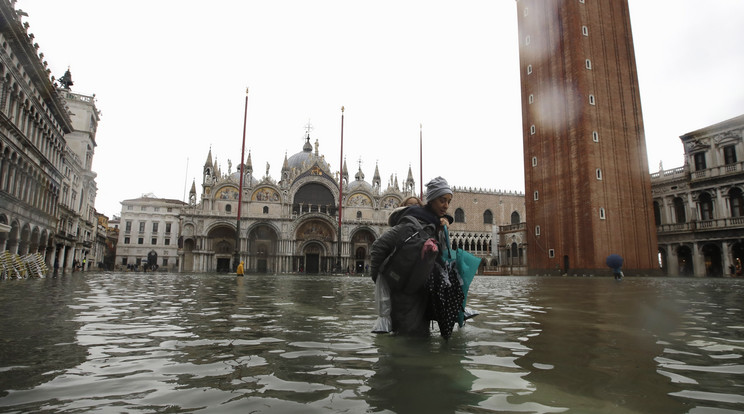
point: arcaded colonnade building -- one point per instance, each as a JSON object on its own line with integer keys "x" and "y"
{"x": 47, "y": 143}
{"x": 699, "y": 207}
{"x": 291, "y": 224}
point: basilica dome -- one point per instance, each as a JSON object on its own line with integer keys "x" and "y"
{"x": 307, "y": 158}
{"x": 359, "y": 184}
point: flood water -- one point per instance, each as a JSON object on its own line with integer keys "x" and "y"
{"x": 154, "y": 342}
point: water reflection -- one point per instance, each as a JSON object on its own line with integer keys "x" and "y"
{"x": 184, "y": 343}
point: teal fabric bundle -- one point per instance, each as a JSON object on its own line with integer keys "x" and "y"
{"x": 466, "y": 264}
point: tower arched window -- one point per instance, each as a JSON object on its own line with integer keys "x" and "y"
{"x": 228, "y": 208}
{"x": 459, "y": 216}
{"x": 266, "y": 210}
{"x": 487, "y": 217}
{"x": 359, "y": 215}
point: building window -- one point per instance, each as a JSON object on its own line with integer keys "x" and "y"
{"x": 141, "y": 226}
{"x": 679, "y": 210}
{"x": 532, "y": 130}
{"x": 170, "y": 209}
{"x": 602, "y": 213}
{"x": 228, "y": 208}
{"x": 266, "y": 210}
{"x": 526, "y": 11}
{"x": 154, "y": 241}
{"x": 141, "y": 240}
{"x": 165, "y": 262}
{"x": 736, "y": 201}
{"x": 167, "y": 228}
{"x": 126, "y": 240}
{"x": 699, "y": 161}
{"x": 155, "y": 227}
{"x": 591, "y": 100}
{"x": 487, "y": 217}
{"x": 156, "y": 209}
{"x": 529, "y": 69}
{"x": 589, "y": 64}
{"x": 128, "y": 226}
{"x": 143, "y": 208}
{"x": 459, "y": 216}
{"x": 729, "y": 154}
{"x": 551, "y": 253}
{"x": 123, "y": 261}
{"x": 657, "y": 214}
{"x": 537, "y": 230}
{"x": 534, "y": 196}
{"x": 130, "y": 207}
{"x": 585, "y": 30}
{"x": 515, "y": 217}
{"x": 595, "y": 136}
{"x": 359, "y": 215}
{"x": 534, "y": 161}
{"x": 527, "y": 40}
{"x": 706, "y": 206}
{"x": 599, "y": 174}
{"x": 531, "y": 98}
{"x": 166, "y": 242}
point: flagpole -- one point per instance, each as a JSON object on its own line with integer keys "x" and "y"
{"x": 240, "y": 188}
{"x": 421, "y": 162}
{"x": 340, "y": 189}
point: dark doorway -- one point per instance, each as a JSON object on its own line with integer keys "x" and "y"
{"x": 684, "y": 256}
{"x": 713, "y": 263}
{"x": 565, "y": 264}
{"x": 312, "y": 262}
{"x": 223, "y": 265}
{"x": 152, "y": 260}
{"x": 261, "y": 266}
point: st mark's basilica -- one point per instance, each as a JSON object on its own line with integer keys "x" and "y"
{"x": 292, "y": 225}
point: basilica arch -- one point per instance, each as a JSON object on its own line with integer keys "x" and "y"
{"x": 361, "y": 245}
{"x": 220, "y": 246}
{"x": 314, "y": 245}
{"x": 263, "y": 244}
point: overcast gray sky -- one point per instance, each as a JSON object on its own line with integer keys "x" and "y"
{"x": 170, "y": 77}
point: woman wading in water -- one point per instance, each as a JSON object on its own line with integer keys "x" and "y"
{"x": 409, "y": 303}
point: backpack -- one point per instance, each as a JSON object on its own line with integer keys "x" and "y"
{"x": 408, "y": 267}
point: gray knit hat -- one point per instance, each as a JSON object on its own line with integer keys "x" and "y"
{"x": 436, "y": 188}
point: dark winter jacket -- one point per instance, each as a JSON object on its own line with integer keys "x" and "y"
{"x": 383, "y": 246}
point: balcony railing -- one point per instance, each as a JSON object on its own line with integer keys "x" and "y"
{"x": 719, "y": 171}
{"x": 702, "y": 225}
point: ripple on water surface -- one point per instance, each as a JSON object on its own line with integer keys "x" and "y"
{"x": 265, "y": 343}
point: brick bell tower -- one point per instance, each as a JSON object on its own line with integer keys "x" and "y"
{"x": 587, "y": 182}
